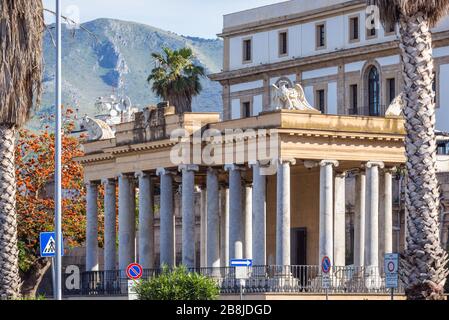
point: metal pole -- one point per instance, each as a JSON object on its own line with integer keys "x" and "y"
{"x": 53, "y": 277}
{"x": 58, "y": 147}
{"x": 392, "y": 294}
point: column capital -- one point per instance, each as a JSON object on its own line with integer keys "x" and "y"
{"x": 125, "y": 175}
{"x": 163, "y": 171}
{"x": 142, "y": 174}
{"x": 390, "y": 170}
{"x": 290, "y": 161}
{"x": 341, "y": 174}
{"x": 260, "y": 163}
{"x": 108, "y": 182}
{"x": 91, "y": 184}
{"x": 334, "y": 163}
{"x": 213, "y": 170}
{"x": 234, "y": 167}
{"x": 188, "y": 167}
{"x": 372, "y": 164}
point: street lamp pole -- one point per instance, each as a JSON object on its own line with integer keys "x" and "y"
{"x": 58, "y": 151}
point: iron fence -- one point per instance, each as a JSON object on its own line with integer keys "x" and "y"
{"x": 261, "y": 279}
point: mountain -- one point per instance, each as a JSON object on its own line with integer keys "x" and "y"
{"x": 114, "y": 56}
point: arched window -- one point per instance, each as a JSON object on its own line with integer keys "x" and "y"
{"x": 373, "y": 92}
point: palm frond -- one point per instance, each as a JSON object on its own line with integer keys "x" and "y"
{"x": 176, "y": 76}
{"x": 391, "y": 10}
{"x": 21, "y": 64}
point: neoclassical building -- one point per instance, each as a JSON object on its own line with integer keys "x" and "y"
{"x": 285, "y": 206}
{"x": 344, "y": 66}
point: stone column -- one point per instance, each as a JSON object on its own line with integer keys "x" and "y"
{"x": 235, "y": 212}
{"x": 326, "y": 209}
{"x": 213, "y": 220}
{"x": 203, "y": 227}
{"x": 92, "y": 227}
{"x": 224, "y": 226}
{"x": 283, "y": 213}
{"x": 126, "y": 225}
{"x": 132, "y": 218}
{"x": 340, "y": 220}
{"x": 188, "y": 214}
{"x": 146, "y": 220}
{"x": 388, "y": 211}
{"x": 248, "y": 202}
{"x": 359, "y": 223}
{"x": 372, "y": 214}
{"x": 167, "y": 244}
{"x": 110, "y": 236}
{"x": 259, "y": 217}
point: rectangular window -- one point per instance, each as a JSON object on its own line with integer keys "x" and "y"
{"x": 390, "y": 28}
{"x": 391, "y": 90}
{"x": 321, "y": 36}
{"x": 247, "y": 50}
{"x": 434, "y": 87}
{"x": 246, "y": 109}
{"x": 354, "y": 93}
{"x": 354, "y": 33}
{"x": 283, "y": 43}
{"x": 371, "y": 32}
{"x": 321, "y": 100}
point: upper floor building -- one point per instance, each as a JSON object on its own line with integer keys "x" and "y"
{"x": 330, "y": 47}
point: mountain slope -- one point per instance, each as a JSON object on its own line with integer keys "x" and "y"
{"x": 118, "y": 60}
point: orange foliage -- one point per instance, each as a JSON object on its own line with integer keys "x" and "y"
{"x": 35, "y": 184}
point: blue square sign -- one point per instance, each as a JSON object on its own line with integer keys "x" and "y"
{"x": 48, "y": 244}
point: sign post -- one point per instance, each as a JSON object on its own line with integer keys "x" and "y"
{"x": 326, "y": 266}
{"x": 47, "y": 244}
{"x": 134, "y": 272}
{"x": 242, "y": 271}
{"x": 391, "y": 272}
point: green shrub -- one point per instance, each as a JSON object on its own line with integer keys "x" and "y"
{"x": 177, "y": 284}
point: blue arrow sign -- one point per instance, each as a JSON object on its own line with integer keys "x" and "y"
{"x": 241, "y": 263}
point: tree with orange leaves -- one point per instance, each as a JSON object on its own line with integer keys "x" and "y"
{"x": 35, "y": 204}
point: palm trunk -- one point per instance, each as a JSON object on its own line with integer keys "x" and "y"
{"x": 9, "y": 253}
{"x": 424, "y": 260}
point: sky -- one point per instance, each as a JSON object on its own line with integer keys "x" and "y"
{"x": 198, "y": 18}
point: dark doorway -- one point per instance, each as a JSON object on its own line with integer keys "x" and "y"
{"x": 299, "y": 254}
{"x": 299, "y": 246}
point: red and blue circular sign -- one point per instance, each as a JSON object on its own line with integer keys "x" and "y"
{"x": 326, "y": 264}
{"x": 134, "y": 271}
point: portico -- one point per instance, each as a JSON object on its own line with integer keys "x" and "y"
{"x": 253, "y": 207}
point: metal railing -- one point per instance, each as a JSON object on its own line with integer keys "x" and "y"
{"x": 262, "y": 279}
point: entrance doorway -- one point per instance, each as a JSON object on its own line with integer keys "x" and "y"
{"x": 299, "y": 246}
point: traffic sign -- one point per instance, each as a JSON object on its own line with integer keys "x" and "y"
{"x": 326, "y": 281}
{"x": 47, "y": 241}
{"x": 391, "y": 270}
{"x": 134, "y": 271}
{"x": 241, "y": 263}
{"x": 132, "y": 293}
{"x": 326, "y": 264}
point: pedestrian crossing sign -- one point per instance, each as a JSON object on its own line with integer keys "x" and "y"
{"x": 48, "y": 245}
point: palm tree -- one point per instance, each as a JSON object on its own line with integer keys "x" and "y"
{"x": 424, "y": 260}
{"x": 176, "y": 78}
{"x": 21, "y": 29}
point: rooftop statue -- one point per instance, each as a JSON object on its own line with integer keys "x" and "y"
{"x": 290, "y": 98}
{"x": 97, "y": 129}
{"x": 119, "y": 109}
{"x": 396, "y": 107}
